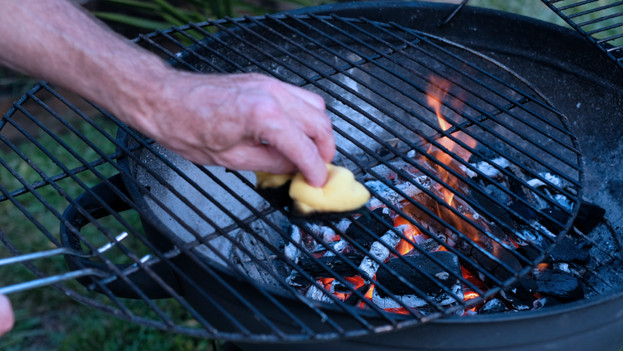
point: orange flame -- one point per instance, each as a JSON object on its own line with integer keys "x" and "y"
{"x": 469, "y": 295}
{"x": 410, "y": 233}
{"x": 437, "y": 92}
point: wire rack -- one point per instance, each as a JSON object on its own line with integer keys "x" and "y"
{"x": 86, "y": 186}
{"x": 598, "y": 22}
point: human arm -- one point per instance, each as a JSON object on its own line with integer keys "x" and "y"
{"x": 242, "y": 121}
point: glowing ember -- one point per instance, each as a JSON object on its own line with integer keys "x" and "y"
{"x": 411, "y": 232}
{"x": 431, "y": 184}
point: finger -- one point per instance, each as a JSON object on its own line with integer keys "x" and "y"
{"x": 256, "y": 158}
{"x": 309, "y": 97}
{"x": 299, "y": 149}
{"x": 315, "y": 123}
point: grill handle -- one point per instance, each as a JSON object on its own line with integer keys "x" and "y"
{"x": 93, "y": 202}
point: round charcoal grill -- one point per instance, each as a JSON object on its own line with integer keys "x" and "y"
{"x": 475, "y": 178}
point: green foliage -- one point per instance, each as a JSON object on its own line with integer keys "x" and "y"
{"x": 159, "y": 14}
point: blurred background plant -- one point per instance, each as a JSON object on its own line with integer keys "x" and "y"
{"x": 47, "y": 320}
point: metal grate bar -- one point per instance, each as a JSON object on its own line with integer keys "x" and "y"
{"x": 594, "y": 10}
{"x": 313, "y": 51}
{"x": 459, "y": 142}
{"x": 389, "y": 114}
{"x": 331, "y": 296}
{"x": 437, "y": 144}
{"x": 370, "y": 152}
{"x": 579, "y": 15}
{"x": 154, "y": 276}
{"x": 424, "y": 273}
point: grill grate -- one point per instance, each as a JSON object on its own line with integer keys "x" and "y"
{"x": 206, "y": 239}
{"x": 598, "y": 22}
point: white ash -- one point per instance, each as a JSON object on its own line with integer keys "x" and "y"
{"x": 539, "y": 303}
{"x": 317, "y": 294}
{"x": 541, "y": 229}
{"x": 553, "y": 179}
{"x": 528, "y": 236}
{"x": 442, "y": 275}
{"x": 411, "y": 153}
{"x": 442, "y": 299}
{"x": 380, "y": 171}
{"x": 384, "y": 191}
{"x": 556, "y": 181}
{"x": 343, "y": 225}
{"x": 407, "y": 300}
{"x": 291, "y": 251}
{"x": 361, "y": 123}
{"x": 486, "y": 168}
{"x": 380, "y": 252}
{"x": 563, "y": 267}
{"x": 467, "y": 171}
{"x": 564, "y": 201}
{"x": 338, "y": 246}
{"x": 325, "y": 233}
{"x": 535, "y": 183}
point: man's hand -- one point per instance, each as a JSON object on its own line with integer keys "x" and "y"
{"x": 243, "y": 121}
{"x": 6, "y": 315}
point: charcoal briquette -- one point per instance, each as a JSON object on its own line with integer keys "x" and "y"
{"x": 445, "y": 274}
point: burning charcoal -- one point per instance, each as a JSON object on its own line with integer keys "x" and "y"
{"x": 404, "y": 189}
{"x": 519, "y": 189}
{"x": 489, "y": 264}
{"x": 317, "y": 294}
{"x": 323, "y": 233}
{"x": 571, "y": 250}
{"x": 367, "y": 223}
{"x": 486, "y": 168}
{"x": 521, "y": 293}
{"x": 407, "y": 300}
{"x": 529, "y": 252}
{"x": 291, "y": 250}
{"x": 562, "y": 286}
{"x": 517, "y": 303}
{"x": 441, "y": 299}
{"x": 588, "y": 217}
{"x": 329, "y": 263}
{"x": 497, "y": 208}
{"x": 548, "y": 216}
{"x": 353, "y": 299}
{"x": 485, "y": 151}
{"x": 380, "y": 252}
{"x": 338, "y": 246}
{"x": 577, "y": 270}
{"x": 297, "y": 280}
{"x": 446, "y": 274}
{"x": 380, "y": 171}
{"x": 546, "y": 301}
{"x": 493, "y": 306}
{"x": 343, "y": 225}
